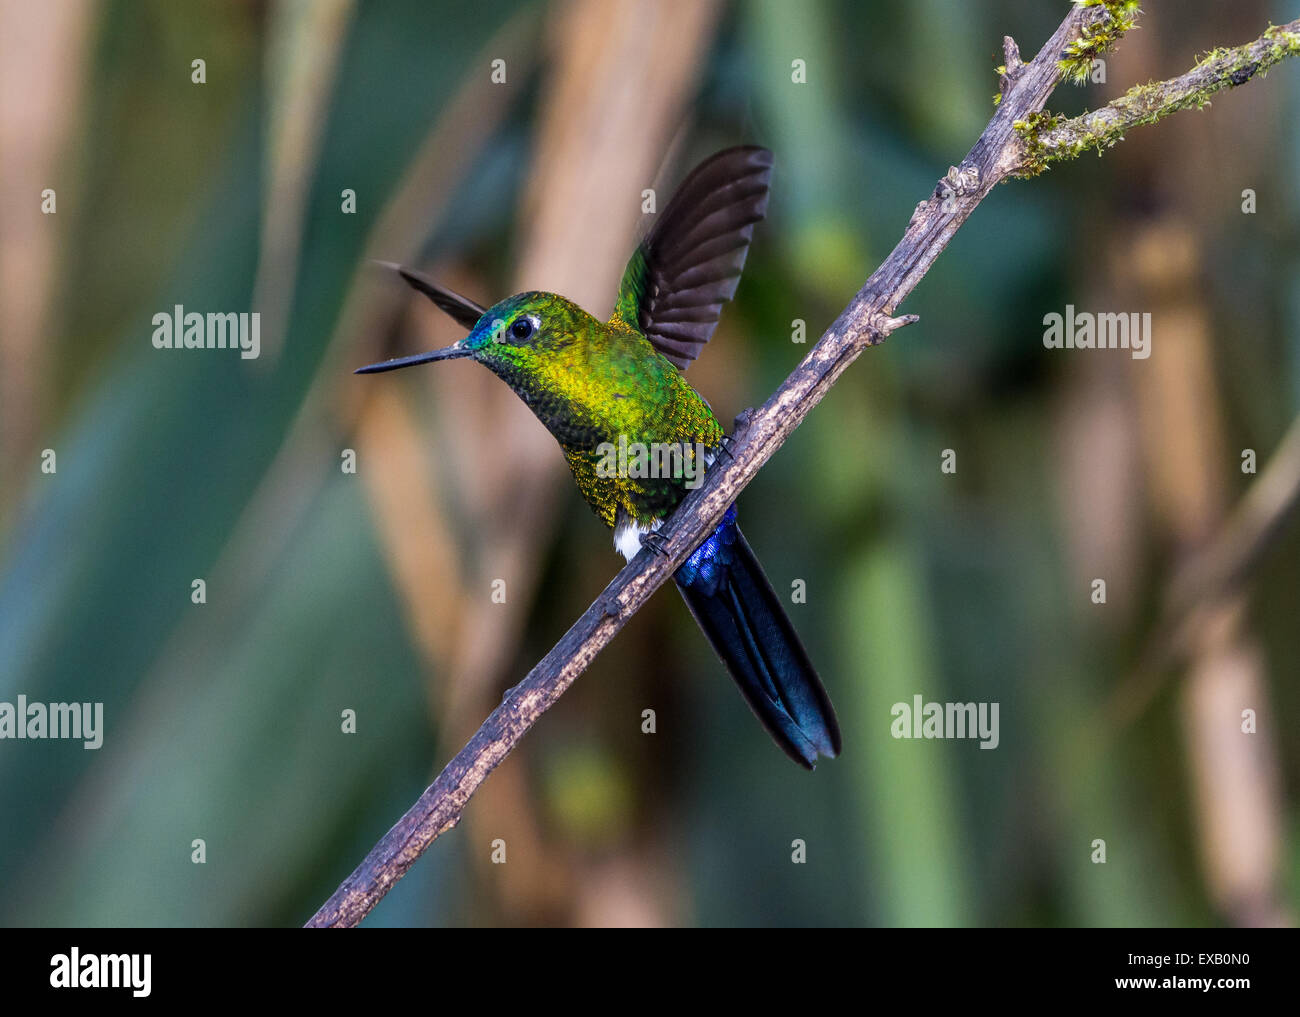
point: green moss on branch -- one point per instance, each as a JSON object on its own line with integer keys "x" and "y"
{"x": 1098, "y": 36}
{"x": 1048, "y": 139}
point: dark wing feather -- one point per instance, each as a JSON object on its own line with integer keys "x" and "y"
{"x": 690, "y": 262}
{"x": 461, "y": 308}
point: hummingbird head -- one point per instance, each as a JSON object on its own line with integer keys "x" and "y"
{"x": 519, "y": 335}
{"x": 546, "y": 348}
{"x": 519, "y": 338}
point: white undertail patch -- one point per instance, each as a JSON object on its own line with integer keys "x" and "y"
{"x": 628, "y": 534}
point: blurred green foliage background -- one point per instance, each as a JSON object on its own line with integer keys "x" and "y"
{"x": 330, "y": 591}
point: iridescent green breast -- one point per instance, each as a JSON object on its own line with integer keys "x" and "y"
{"x": 653, "y": 434}
{"x": 632, "y": 430}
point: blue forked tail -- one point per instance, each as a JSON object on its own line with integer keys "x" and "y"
{"x": 731, "y": 598}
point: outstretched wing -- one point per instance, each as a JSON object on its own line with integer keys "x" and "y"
{"x": 690, "y": 262}
{"x": 461, "y": 308}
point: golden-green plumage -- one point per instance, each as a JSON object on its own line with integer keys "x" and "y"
{"x": 594, "y": 385}
{"x": 652, "y": 406}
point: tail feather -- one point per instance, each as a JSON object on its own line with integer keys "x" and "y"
{"x": 726, "y": 590}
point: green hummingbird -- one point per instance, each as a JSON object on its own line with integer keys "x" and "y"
{"x": 637, "y": 436}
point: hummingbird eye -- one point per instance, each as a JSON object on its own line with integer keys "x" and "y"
{"x": 522, "y": 329}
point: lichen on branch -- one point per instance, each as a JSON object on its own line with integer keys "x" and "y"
{"x": 1048, "y": 138}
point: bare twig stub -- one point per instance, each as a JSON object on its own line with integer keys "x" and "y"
{"x": 868, "y": 320}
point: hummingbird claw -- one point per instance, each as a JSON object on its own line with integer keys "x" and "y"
{"x": 738, "y": 427}
{"x": 655, "y": 541}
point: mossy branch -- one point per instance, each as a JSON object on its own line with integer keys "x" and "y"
{"x": 1048, "y": 138}
{"x": 1115, "y": 17}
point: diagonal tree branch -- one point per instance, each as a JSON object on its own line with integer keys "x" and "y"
{"x": 1000, "y": 152}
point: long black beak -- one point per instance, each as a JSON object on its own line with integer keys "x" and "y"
{"x": 452, "y": 352}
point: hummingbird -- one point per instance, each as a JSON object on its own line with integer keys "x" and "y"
{"x": 618, "y": 384}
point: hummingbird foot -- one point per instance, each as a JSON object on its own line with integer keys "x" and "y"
{"x": 655, "y": 541}
{"x": 727, "y": 443}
